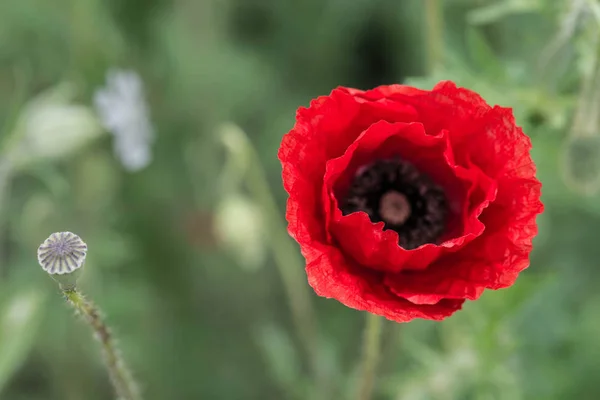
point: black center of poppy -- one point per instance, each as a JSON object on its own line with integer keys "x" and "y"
{"x": 407, "y": 201}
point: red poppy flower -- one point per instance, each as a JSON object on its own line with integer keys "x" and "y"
{"x": 407, "y": 202}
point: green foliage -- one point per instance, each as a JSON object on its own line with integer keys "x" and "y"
{"x": 19, "y": 324}
{"x": 192, "y": 323}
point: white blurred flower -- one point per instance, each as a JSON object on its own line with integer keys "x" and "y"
{"x": 123, "y": 111}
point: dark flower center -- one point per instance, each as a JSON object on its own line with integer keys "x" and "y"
{"x": 396, "y": 192}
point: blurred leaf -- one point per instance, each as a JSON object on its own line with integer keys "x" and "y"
{"x": 97, "y": 195}
{"x": 38, "y": 215}
{"x": 446, "y": 378}
{"x": 482, "y": 54}
{"x": 496, "y": 11}
{"x": 569, "y": 23}
{"x": 51, "y": 127}
{"x": 19, "y": 323}
{"x": 52, "y": 178}
{"x": 280, "y": 355}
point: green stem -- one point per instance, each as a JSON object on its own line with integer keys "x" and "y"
{"x": 5, "y": 180}
{"x": 284, "y": 252}
{"x": 434, "y": 27}
{"x": 124, "y": 385}
{"x": 370, "y": 356}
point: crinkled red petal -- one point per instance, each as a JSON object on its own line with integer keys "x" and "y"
{"x": 493, "y": 260}
{"x": 367, "y": 242}
{"x": 332, "y": 275}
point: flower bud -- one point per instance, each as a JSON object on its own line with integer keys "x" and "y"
{"x": 239, "y": 226}
{"x": 581, "y": 163}
{"x": 62, "y": 255}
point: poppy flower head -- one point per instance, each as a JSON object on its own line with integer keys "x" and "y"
{"x": 407, "y": 202}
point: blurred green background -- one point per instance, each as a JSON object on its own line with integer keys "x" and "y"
{"x": 188, "y": 257}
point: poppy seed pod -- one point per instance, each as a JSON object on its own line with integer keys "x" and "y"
{"x": 62, "y": 255}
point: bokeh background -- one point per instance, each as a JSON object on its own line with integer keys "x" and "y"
{"x": 181, "y": 204}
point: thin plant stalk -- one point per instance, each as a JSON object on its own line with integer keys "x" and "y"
{"x": 434, "y": 32}
{"x": 290, "y": 269}
{"x": 124, "y": 385}
{"x": 5, "y": 180}
{"x": 371, "y": 353}
{"x": 284, "y": 252}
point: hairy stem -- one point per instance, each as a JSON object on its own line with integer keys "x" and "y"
{"x": 121, "y": 378}
{"x": 370, "y": 356}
